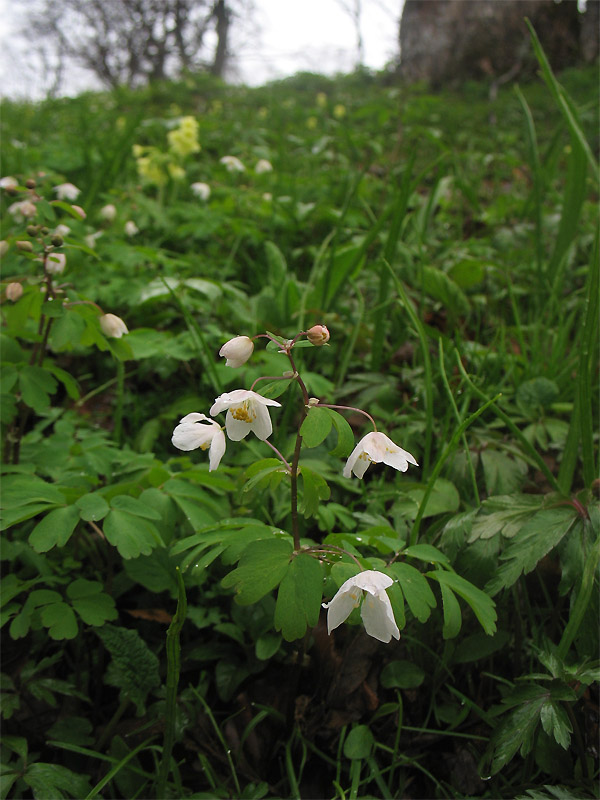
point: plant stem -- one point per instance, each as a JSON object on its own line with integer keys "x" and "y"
{"x": 118, "y": 421}
{"x": 173, "y": 667}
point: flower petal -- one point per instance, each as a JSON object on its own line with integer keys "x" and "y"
{"x": 217, "y": 449}
{"x": 373, "y": 581}
{"x": 342, "y": 605}
{"x": 378, "y": 617}
{"x": 236, "y": 429}
{"x": 262, "y": 425}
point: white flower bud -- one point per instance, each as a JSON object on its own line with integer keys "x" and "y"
{"x": 263, "y": 166}
{"x": 67, "y": 191}
{"x": 131, "y": 228}
{"x": 237, "y": 351}
{"x": 112, "y": 326}
{"x": 14, "y": 290}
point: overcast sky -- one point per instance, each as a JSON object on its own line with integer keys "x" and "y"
{"x": 286, "y": 36}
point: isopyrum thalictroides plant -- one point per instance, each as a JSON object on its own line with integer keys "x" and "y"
{"x": 294, "y": 562}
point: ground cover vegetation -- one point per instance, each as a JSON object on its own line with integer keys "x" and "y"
{"x": 325, "y": 342}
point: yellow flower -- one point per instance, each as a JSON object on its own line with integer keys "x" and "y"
{"x": 339, "y": 111}
{"x": 321, "y": 99}
{"x": 311, "y": 123}
{"x": 184, "y": 139}
{"x": 176, "y": 172}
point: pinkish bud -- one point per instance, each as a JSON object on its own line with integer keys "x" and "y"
{"x": 79, "y": 211}
{"x": 14, "y": 290}
{"x": 317, "y": 335}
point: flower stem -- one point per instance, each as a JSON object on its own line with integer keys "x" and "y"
{"x": 279, "y": 455}
{"x": 173, "y": 667}
{"x": 118, "y": 424}
{"x": 351, "y": 408}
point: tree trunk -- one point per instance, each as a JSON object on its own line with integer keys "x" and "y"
{"x": 223, "y": 18}
{"x": 444, "y": 41}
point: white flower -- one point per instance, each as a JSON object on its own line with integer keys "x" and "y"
{"x": 233, "y": 164}
{"x": 112, "y": 326}
{"x": 197, "y": 430}
{"x": 237, "y": 351}
{"x": 91, "y": 238}
{"x": 376, "y": 610}
{"x": 22, "y": 209}
{"x": 263, "y": 166}
{"x": 56, "y": 263}
{"x": 317, "y": 335}
{"x": 14, "y": 291}
{"x": 201, "y": 190}
{"x": 67, "y": 191}
{"x": 373, "y": 448}
{"x": 108, "y": 212}
{"x": 8, "y": 182}
{"x": 246, "y": 411}
{"x": 131, "y": 228}
{"x": 62, "y": 230}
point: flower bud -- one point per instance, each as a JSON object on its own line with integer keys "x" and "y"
{"x": 4, "y": 247}
{"x": 30, "y": 184}
{"x": 317, "y": 335}
{"x": 57, "y": 240}
{"x": 237, "y": 351}
{"x": 26, "y": 246}
{"x": 113, "y": 326}
{"x": 32, "y": 231}
{"x": 131, "y": 228}
{"x": 79, "y": 211}
{"x": 14, "y": 290}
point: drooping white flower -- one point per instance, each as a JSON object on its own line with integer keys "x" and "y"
{"x": 246, "y": 411}
{"x": 108, "y": 212}
{"x": 56, "y": 263}
{"x": 67, "y": 191}
{"x": 131, "y": 228}
{"x": 232, "y": 164}
{"x": 263, "y": 166}
{"x": 113, "y": 326}
{"x": 237, "y": 351}
{"x": 201, "y": 190}
{"x": 376, "y": 610}
{"x": 197, "y": 430}
{"x": 374, "y": 448}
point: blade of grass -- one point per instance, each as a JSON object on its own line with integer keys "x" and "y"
{"x": 458, "y": 419}
{"x": 414, "y": 534}
{"x": 527, "y": 447}
{"x": 418, "y": 325}
{"x": 117, "y": 768}
{"x": 221, "y": 739}
{"x": 562, "y": 100}
{"x": 536, "y": 172}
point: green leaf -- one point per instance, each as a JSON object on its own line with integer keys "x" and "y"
{"x": 92, "y": 507}
{"x": 133, "y": 668}
{"x": 315, "y": 427}
{"x": 482, "y": 605}
{"x": 315, "y": 488}
{"x": 479, "y": 646}
{"x": 53, "y": 781}
{"x": 262, "y": 566}
{"x": 441, "y": 287}
{"x": 91, "y": 603}
{"x": 345, "y": 442}
{"x": 452, "y": 615}
{"x": 505, "y": 514}
{"x": 157, "y": 571}
{"x": 444, "y": 497}
{"x": 555, "y": 722}
{"x": 60, "y": 620}
{"x": 55, "y": 529}
{"x": 123, "y": 502}
{"x": 266, "y": 646}
{"x": 415, "y": 589}
{"x": 401, "y": 674}
{"x": 535, "y": 395}
{"x": 276, "y": 265}
{"x": 36, "y": 384}
{"x": 503, "y": 474}
{"x": 535, "y": 540}
{"x": 426, "y": 552}
{"x": 299, "y": 597}
{"x": 131, "y": 535}
{"x": 359, "y": 743}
